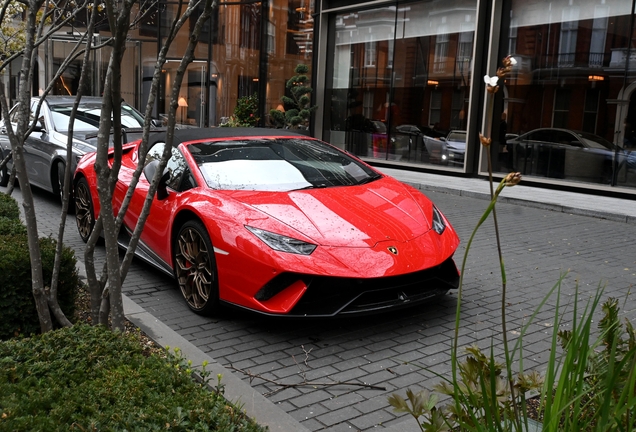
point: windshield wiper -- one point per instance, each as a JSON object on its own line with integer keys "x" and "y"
{"x": 318, "y": 186}
{"x": 368, "y": 179}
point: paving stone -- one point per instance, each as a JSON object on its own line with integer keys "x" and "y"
{"x": 337, "y": 416}
{"x": 372, "y": 420}
{"x": 307, "y": 412}
{"x": 310, "y": 399}
{"x": 347, "y": 399}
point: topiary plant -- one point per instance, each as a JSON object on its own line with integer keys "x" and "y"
{"x": 300, "y": 109}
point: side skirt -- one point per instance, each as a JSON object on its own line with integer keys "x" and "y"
{"x": 144, "y": 253}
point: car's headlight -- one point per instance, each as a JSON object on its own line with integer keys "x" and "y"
{"x": 282, "y": 243}
{"x": 438, "y": 221}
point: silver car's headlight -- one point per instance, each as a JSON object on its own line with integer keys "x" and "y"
{"x": 282, "y": 243}
{"x": 438, "y": 221}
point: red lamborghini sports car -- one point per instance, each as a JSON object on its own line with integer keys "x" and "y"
{"x": 281, "y": 224}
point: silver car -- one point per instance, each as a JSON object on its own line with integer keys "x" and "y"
{"x": 565, "y": 153}
{"x": 45, "y": 148}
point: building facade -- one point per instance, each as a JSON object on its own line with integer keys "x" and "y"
{"x": 401, "y": 83}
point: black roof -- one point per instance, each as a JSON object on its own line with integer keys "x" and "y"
{"x": 194, "y": 134}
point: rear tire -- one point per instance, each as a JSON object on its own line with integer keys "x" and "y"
{"x": 195, "y": 268}
{"x": 84, "y": 211}
{"x": 4, "y": 172}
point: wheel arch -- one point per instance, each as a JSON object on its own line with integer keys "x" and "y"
{"x": 181, "y": 218}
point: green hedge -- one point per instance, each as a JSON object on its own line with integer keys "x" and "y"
{"x": 89, "y": 378}
{"x": 19, "y": 315}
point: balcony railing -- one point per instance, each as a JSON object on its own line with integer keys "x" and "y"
{"x": 593, "y": 60}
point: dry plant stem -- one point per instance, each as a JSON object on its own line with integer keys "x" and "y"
{"x": 488, "y": 133}
{"x": 503, "y": 291}
{"x": 483, "y": 218}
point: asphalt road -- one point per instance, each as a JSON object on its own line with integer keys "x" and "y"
{"x": 406, "y": 349}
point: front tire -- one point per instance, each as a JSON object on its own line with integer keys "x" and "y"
{"x": 84, "y": 211}
{"x": 195, "y": 268}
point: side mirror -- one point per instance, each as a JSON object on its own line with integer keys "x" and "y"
{"x": 150, "y": 171}
{"x": 156, "y": 122}
{"x": 39, "y": 125}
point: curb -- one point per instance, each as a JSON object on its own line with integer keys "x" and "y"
{"x": 616, "y": 217}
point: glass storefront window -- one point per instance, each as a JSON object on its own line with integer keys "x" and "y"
{"x": 398, "y": 82}
{"x": 290, "y": 42}
{"x": 568, "y": 110}
{"x": 235, "y": 57}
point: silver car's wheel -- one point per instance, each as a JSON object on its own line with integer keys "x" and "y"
{"x": 84, "y": 212}
{"x": 4, "y": 172}
{"x": 195, "y": 268}
{"x": 58, "y": 186}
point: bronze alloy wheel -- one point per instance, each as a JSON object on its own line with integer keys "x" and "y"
{"x": 4, "y": 172}
{"x": 84, "y": 213}
{"x": 195, "y": 268}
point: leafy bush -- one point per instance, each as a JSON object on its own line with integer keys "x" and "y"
{"x": 19, "y": 315}
{"x": 89, "y": 378}
{"x": 245, "y": 113}
{"x": 9, "y": 207}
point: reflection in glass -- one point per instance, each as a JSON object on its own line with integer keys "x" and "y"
{"x": 399, "y": 80}
{"x": 567, "y": 105}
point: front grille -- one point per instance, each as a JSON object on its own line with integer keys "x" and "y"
{"x": 327, "y": 296}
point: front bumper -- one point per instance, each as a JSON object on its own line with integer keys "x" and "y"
{"x": 326, "y": 296}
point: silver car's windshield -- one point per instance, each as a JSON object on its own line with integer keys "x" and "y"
{"x": 87, "y": 117}
{"x": 277, "y": 165}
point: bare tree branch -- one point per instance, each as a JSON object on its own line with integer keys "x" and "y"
{"x": 304, "y": 382}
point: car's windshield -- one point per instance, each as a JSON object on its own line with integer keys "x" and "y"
{"x": 277, "y": 165}
{"x": 595, "y": 141}
{"x": 87, "y": 117}
{"x": 457, "y": 136}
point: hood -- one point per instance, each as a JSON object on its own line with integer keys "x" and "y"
{"x": 354, "y": 216}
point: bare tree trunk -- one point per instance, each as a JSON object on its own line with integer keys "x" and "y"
{"x": 176, "y": 86}
{"x": 36, "y": 17}
{"x": 110, "y": 283}
{"x": 17, "y": 144}
{"x": 52, "y": 298}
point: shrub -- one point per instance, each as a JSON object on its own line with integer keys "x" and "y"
{"x": 9, "y": 207}
{"x": 19, "y": 315}
{"x": 89, "y": 378}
